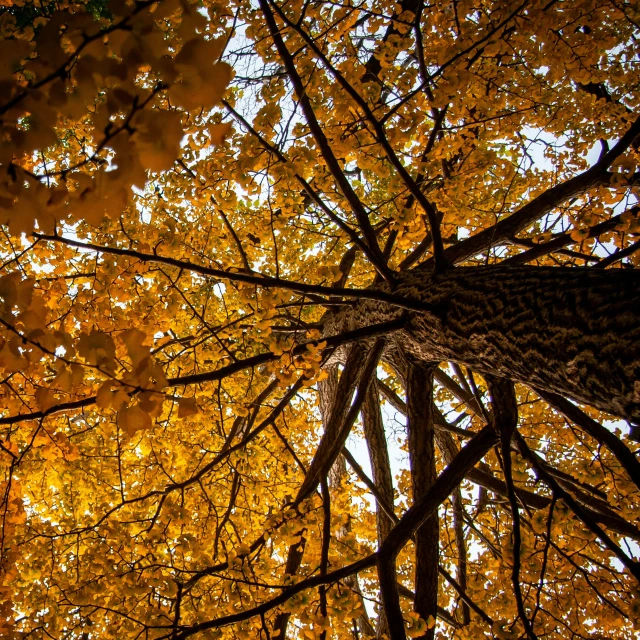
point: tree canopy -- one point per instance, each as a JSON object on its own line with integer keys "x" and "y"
{"x": 319, "y": 319}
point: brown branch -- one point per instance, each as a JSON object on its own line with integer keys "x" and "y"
{"x": 355, "y": 204}
{"x": 439, "y": 420}
{"x": 465, "y": 596}
{"x": 374, "y": 433}
{"x": 421, "y": 510}
{"x": 541, "y": 205}
{"x": 556, "y": 244}
{"x": 234, "y": 235}
{"x": 284, "y": 596}
{"x": 422, "y": 463}
{"x": 385, "y": 506}
{"x": 466, "y": 398}
{"x": 324, "y": 551}
{"x": 618, "y": 255}
{"x": 599, "y": 433}
{"x": 482, "y": 478}
{"x": 309, "y": 190}
{"x": 461, "y": 547}
{"x": 340, "y": 425}
{"x": 387, "y": 509}
{"x": 381, "y": 136}
{"x": 540, "y": 467}
{"x": 505, "y": 415}
{"x": 598, "y": 509}
{"x": 375, "y": 438}
{"x": 223, "y": 372}
{"x": 257, "y": 280}
{"x": 356, "y": 376}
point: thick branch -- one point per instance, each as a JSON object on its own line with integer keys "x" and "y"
{"x": 541, "y": 205}
{"x": 505, "y": 415}
{"x": 340, "y": 424}
{"x": 598, "y": 509}
{"x": 422, "y": 509}
{"x": 422, "y": 461}
{"x": 601, "y": 434}
{"x": 563, "y": 240}
{"x": 257, "y": 280}
{"x": 223, "y": 372}
{"x": 355, "y": 204}
{"x": 375, "y": 438}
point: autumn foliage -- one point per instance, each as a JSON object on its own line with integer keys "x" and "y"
{"x": 233, "y": 403}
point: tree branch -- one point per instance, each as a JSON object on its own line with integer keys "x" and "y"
{"x": 355, "y": 204}
{"x": 541, "y": 205}
{"x": 601, "y": 434}
{"x": 257, "y": 280}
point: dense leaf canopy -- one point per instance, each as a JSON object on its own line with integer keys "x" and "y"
{"x": 241, "y": 393}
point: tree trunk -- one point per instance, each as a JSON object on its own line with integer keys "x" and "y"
{"x": 376, "y": 440}
{"x": 422, "y": 460}
{"x": 571, "y": 331}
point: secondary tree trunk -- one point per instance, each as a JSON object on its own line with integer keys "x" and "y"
{"x": 422, "y": 459}
{"x": 575, "y": 332}
{"x": 376, "y": 440}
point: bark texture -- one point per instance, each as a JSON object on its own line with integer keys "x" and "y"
{"x": 376, "y": 440}
{"x": 571, "y": 331}
{"x": 378, "y": 456}
{"x": 422, "y": 459}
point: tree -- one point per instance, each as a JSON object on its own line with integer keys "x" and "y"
{"x": 247, "y": 246}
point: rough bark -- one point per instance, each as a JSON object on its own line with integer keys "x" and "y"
{"x": 379, "y": 457}
{"x": 571, "y": 331}
{"x": 327, "y": 391}
{"x": 422, "y": 458}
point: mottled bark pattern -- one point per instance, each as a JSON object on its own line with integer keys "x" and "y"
{"x": 572, "y": 331}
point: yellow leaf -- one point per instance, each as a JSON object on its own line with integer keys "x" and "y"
{"x": 63, "y": 380}
{"x": 97, "y": 348}
{"x": 104, "y": 395}
{"x": 133, "y": 339}
{"x": 133, "y": 419}
{"x": 187, "y": 407}
{"x": 151, "y": 403}
{"x": 45, "y": 398}
{"x": 199, "y": 86}
{"x": 578, "y": 235}
{"x": 218, "y": 132}
{"x": 157, "y": 138}
{"x": 12, "y": 52}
